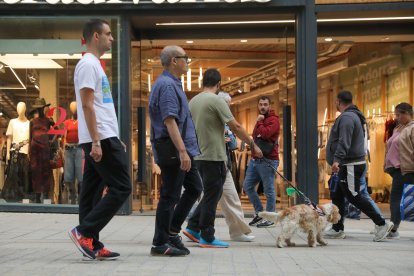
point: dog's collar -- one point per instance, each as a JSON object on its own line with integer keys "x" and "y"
{"x": 318, "y": 210}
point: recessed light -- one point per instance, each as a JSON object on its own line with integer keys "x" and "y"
{"x": 243, "y": 40}
{"x": 238, "y": 90}
{"x": 189, "y": 42}
{"x": 328, "y": 39}
{"x": 385, "y": 38}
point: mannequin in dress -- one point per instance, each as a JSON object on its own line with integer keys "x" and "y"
{"x": 42, "y": 177}
{"x": 73, "y": 156}
{"x": 17, "y": 184}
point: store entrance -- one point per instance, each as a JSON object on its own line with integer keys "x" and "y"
{"x": 252, "y": 64}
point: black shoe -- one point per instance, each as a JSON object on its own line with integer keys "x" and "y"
{"x": 176, "y": 241}
{"x": 265, "y": 223}
{"x": 167, "y": 250}
{"x": 255, "y": 220}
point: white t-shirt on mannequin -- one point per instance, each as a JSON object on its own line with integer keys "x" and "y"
{"x": 89, "y": 74}
{"x": 20, "y": 131}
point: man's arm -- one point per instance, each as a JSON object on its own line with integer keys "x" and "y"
{"x": 242, "y": 134}
{"x": 176, "y": 138}
{"x": 87, "y": 96}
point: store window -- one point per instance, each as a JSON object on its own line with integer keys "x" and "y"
{"x": 41, "y": 161}
{"x": 377, "y": 70}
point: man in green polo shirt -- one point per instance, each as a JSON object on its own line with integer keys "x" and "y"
{"x": 210, "y": 113}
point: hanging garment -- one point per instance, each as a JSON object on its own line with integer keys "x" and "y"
{"x": 40, "y": 155}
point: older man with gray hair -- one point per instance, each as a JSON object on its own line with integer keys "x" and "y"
{"x": 171, "y": 122}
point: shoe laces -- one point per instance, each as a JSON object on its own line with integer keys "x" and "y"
{"x": 104, "y": 252}
{"x": 87, "y": 242}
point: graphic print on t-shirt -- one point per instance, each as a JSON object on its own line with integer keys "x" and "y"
{"x": 106, "y": 90}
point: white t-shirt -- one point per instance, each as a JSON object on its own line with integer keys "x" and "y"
{"x": 20, "y": 130}
{"x": 89, "y": 74}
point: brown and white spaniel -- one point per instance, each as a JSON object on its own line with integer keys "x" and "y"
{"x": 305, "y": 218}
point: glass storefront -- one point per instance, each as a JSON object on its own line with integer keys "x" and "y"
{"x": 37, "y": 62}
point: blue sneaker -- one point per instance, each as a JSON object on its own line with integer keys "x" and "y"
{"x": 214, "y": 244}
{"x": 192, "y": 235}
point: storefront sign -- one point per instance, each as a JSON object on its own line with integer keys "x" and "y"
{"x": 90, "y": 2}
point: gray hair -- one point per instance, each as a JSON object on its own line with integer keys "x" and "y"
{"x": 168, "y": 53}
{"x": 225, "y": 96}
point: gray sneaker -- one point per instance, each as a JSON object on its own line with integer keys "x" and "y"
{"x": 393, "y": 235}
{"x": 332, "y": 234}
{"x": 382, "y": 231}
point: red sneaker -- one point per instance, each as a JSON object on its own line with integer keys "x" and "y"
{"x": 105, "y": 254}
{"x": 84, "y": 244}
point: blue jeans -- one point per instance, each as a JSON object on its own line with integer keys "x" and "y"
{"x": 256, "y": 171}
{"x": 73, "y": 164}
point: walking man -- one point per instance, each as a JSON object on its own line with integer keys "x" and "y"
{"x": 346, "y": 149}
{"x": 171, "y": 119}
{"x": 105, "y": 155}
{"x": 210, "y": 115}
{"x": 265, "y": 135}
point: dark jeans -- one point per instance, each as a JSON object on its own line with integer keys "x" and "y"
{"x": 96, "y": 211}
{"x": 173, "y": 207}
{"x": 213, "y": 174}
{"x": 398, "y": 181}
{"x": 349, "y": 187}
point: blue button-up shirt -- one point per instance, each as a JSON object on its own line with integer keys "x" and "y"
{"x": 167, "y": 99}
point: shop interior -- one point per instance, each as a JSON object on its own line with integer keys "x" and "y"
{"x": 253, "y": 59}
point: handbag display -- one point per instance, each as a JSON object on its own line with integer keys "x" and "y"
{"x": 265, "y": 146}
{"x": 57, "y": 160}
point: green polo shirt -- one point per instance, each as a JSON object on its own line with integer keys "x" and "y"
{"x": 210, "y": 113}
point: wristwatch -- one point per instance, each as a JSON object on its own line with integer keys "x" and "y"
{"x": 96, "y": 144}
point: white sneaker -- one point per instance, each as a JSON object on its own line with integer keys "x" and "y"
{"x": 393, "y": 235}
{"x": 243, "y": 238}
{"x": 382, "y": 231}
{"x": 332, "y": 234}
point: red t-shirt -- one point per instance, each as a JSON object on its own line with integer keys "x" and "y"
{"x": 72, "y": 131}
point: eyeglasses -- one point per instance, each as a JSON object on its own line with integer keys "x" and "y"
{"x": 187, "y": 59}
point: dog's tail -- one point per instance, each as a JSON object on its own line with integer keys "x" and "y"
{"x": 272, "y": 216}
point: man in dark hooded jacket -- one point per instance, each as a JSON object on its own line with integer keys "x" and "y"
{"x": 345, "y": 152}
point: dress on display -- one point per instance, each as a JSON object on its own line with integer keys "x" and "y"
{"x": 40, "y": 155}
{"x": 17, "y": 183}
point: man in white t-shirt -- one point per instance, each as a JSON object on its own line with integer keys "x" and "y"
{"x": 105, "y": 154}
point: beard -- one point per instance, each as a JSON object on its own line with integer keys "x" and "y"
{"x": 263, "y": 111}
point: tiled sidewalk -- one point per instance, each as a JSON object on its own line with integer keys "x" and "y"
{"x": 38, "y": 244}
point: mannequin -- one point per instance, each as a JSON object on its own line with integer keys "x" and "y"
{"x": 42, "y": 178}
{"x": 16, "y": 186}
{"x": 73, "y": 156}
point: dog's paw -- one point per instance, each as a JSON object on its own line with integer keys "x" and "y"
{"x": 279, "y": 245}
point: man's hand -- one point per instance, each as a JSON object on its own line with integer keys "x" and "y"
{"x": 257, "y": 152}
{"x": 227, "y": 139}
{"x": 96, "y": 153}
{"x": 185, "y": 161}
{"x": 335, "y": 167}
{"x": 260, "y": 118}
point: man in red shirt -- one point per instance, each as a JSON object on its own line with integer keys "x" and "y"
{"x": 266, "y": 136}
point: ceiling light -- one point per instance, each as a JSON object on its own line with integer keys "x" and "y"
{"x": 37, "y": 87}
{"x": 286, "y": 21}
{"x": 328, "y": 39}
{"x": 189, "y": 42}
{"x": 238, "y": 90}
{"x": 18, "y": 79}
{"x": 1, "y": 113}
{"x": 30, "y": 63}
{"x": 385, "y": 38}
{"x": 243, "y": 40}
